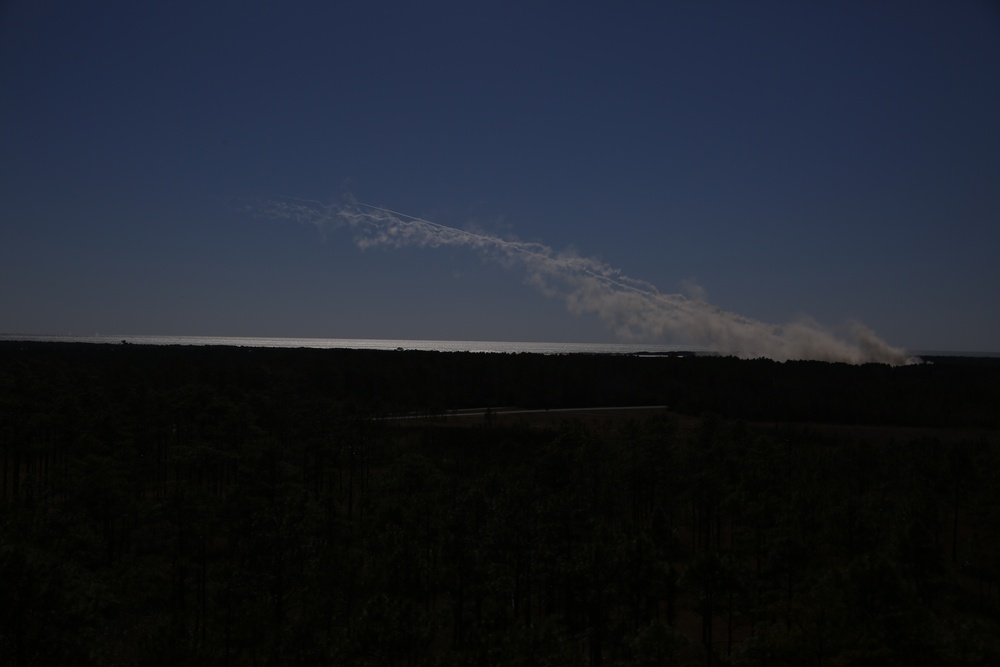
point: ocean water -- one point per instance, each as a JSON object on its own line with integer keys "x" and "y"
{"x": 369, "y": 344}
{"x": 429, "y": 345}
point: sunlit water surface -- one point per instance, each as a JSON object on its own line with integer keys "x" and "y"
{"x": 430, "y": 345}
{"x": 369, "y": 344}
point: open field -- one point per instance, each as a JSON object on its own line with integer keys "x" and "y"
{"x": 616, "y": 416}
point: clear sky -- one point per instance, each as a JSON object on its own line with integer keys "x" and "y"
{"x": 838, "y": 160}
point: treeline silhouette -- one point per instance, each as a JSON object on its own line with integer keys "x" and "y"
{"x": 213, "y": 505}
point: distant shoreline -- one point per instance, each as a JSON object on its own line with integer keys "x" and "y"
{"x": 368, "y": 344}
{"x": 532, "y": 347}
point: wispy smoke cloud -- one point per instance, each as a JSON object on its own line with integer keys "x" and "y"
{"x": 633, "y": 308}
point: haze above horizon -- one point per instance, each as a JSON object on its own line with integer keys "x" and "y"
{"x": 836, "y": 161}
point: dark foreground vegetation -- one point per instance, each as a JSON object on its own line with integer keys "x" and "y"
{"x": 226, "y": 506}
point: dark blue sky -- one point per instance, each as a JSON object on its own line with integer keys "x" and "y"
{"x": 839, "y": 160}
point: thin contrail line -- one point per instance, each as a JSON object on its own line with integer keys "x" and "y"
{"x": 650, "y": 292}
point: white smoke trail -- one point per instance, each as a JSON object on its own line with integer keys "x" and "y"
{"x": 633, "y": 308}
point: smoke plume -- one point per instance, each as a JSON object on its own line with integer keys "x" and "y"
{"x": 633, "y": 309}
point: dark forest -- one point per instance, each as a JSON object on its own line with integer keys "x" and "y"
{"x": 234, "y": 506}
